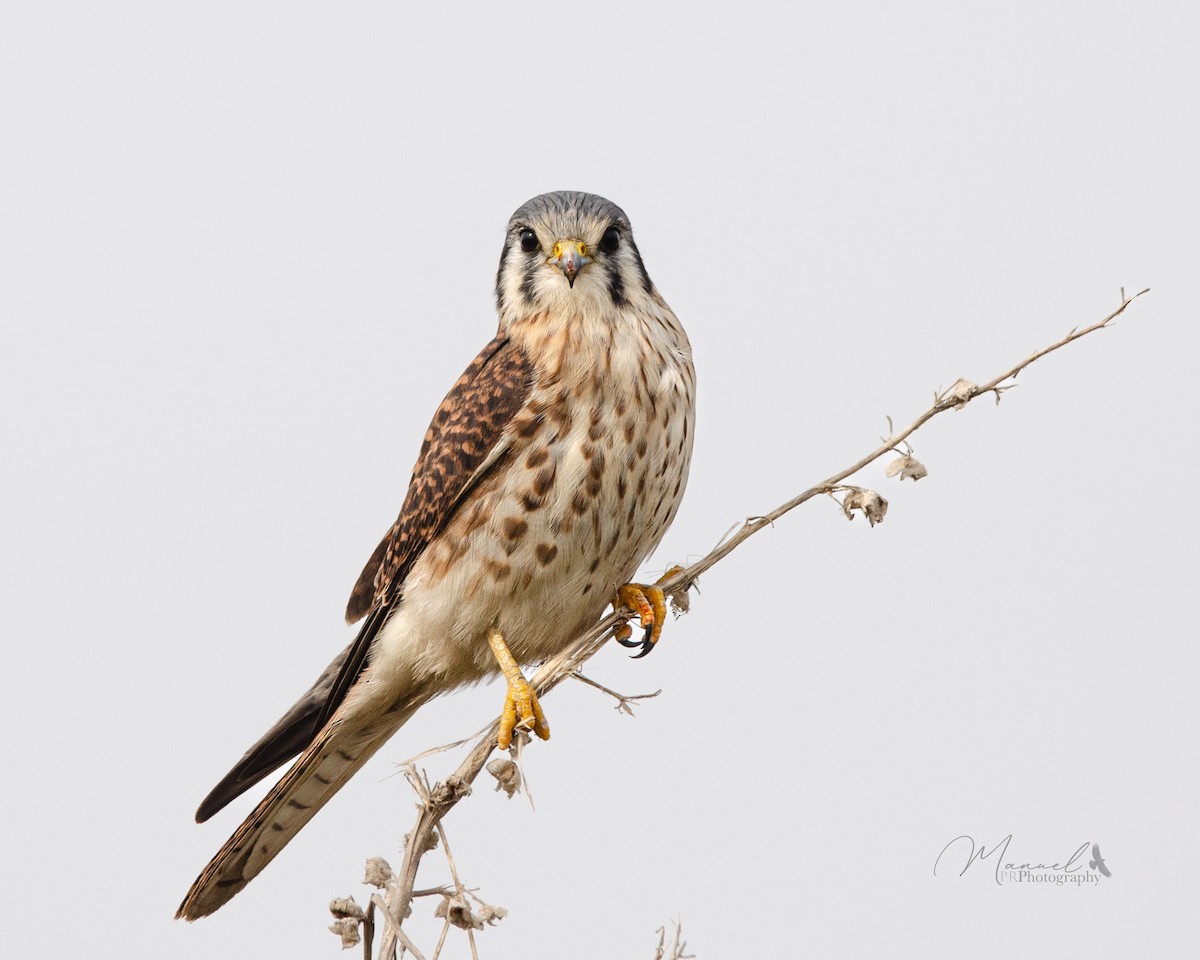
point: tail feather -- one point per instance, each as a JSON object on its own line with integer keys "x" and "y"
{"x": 336, "y": 754}
{"x": 287, "y": 738}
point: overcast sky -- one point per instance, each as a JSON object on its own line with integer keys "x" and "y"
{"x": 246, "y": 248}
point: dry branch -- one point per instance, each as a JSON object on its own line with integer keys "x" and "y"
{"x": 438, "y": 800}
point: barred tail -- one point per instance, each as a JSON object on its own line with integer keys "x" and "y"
{"x": 337, "y": 753}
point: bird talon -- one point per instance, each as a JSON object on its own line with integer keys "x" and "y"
{"x": 521, "y": 707}
{"x": 521, "y": 712}
{"x": 650, "y": 604}
{"x": 647, "y": 642}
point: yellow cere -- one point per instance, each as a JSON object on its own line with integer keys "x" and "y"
{"x": 577, "y": 244}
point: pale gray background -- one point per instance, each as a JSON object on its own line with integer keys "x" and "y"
{"x": 247, "y": 247}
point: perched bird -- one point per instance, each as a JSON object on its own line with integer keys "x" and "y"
{"x": 550, "y": 471}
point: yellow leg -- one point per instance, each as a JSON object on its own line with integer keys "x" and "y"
{"x": 650, "y": 604}
{"x": 521, "y": 707}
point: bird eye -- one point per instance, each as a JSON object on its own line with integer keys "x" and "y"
{"x": 529, "y": 241}
{"x": 611, "y": 240}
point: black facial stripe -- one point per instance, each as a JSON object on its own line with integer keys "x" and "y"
{"x": 616, "y": 284}
{"x": 527, "y": 287}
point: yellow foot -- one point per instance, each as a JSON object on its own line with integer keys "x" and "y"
{"x": 650, "y": 604}
{"x": 521, "y": 707}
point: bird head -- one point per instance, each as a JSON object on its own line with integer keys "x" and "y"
{"x": 568, "y": 250}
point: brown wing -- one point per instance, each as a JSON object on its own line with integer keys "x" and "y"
{"x": 465, "y": 439}
{"x": 461, "y": 443}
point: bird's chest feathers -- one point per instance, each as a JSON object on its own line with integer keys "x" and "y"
{"x": 600, "y": 452}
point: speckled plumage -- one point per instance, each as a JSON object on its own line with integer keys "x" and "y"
{"x": 549, "y": 473}
{"x": 463, "y": 437}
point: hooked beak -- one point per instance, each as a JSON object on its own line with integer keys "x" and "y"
{"x": 570, "y": 256}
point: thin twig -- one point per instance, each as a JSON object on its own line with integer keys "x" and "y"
{"x": 677, "y": 945}
{"x": 520, "y": 742}
{"x": 458, "y": 884}
{"x": 444, "y": 748}
{"x": 437, "y": 950}
{"x": 432, "y": 892}
{"x": 941, "y": 404}
{"x": 394, "y": 929}
{"x": 369, "y": 930}
{"x": 437, "y": 801}
{"x": 623, "y": 702}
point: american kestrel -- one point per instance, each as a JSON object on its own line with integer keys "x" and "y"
{"x": 549, "y": 473}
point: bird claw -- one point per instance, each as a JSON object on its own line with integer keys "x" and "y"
{"x": 650, "y": 604}
{"x": 521, "y": 711}
{"x": 521, "y": 707}
{"x": 625, "y": 631}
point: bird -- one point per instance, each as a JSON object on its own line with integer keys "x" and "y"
{"x": 549, "y": 473}
{"x": 1097, "y": 861}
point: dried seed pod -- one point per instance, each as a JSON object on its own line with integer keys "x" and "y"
{"x": 378, "y": 873}
{"x": 346, "y": 908}
{"x": 347, "y": 929}
{"x": 907, "y": 467}
{"x": 871, "y": 504}
{"x": 507, "y": 774}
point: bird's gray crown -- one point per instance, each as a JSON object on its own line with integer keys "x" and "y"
{"x": 562, "y": 205}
